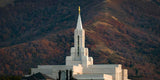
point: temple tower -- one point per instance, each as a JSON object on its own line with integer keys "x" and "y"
{"x": 79, "y": 54}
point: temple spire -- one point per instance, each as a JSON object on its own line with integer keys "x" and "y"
{"x": 79, "y": 22}
{"x": 79, "y": 54}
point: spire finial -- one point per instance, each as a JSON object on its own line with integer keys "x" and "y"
{"x": 79, "y": 22}
{"x": 79, "y": 9}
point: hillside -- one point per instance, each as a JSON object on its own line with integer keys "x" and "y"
{"x": 34, "y": 32}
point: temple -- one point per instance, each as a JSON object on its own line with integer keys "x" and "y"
{"x": 81, "y": 65}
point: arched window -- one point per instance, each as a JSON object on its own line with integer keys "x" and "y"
{"x": 78, "y": 46}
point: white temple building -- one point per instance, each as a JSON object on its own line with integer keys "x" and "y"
{"x": 81, "y": 64}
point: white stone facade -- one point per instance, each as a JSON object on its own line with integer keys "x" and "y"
{"x": 81, "y": 64}
{"x": 79, "y": 54}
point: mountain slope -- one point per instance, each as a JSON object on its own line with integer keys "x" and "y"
{"x": 117, "y": 31}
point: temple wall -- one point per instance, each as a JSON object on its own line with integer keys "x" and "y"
{"x": 77, "y": 70}
{"x": 125, "y": 74}
{"x": 93, "y": 77}
{"x": 50, "y": 70}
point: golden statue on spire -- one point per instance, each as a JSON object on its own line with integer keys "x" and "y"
{"x": 79, "y": 9}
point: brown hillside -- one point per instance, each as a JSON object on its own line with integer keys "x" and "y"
{"x": 117, "y": 32}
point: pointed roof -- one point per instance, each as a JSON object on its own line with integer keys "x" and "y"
{"x": 79, "y": 22}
